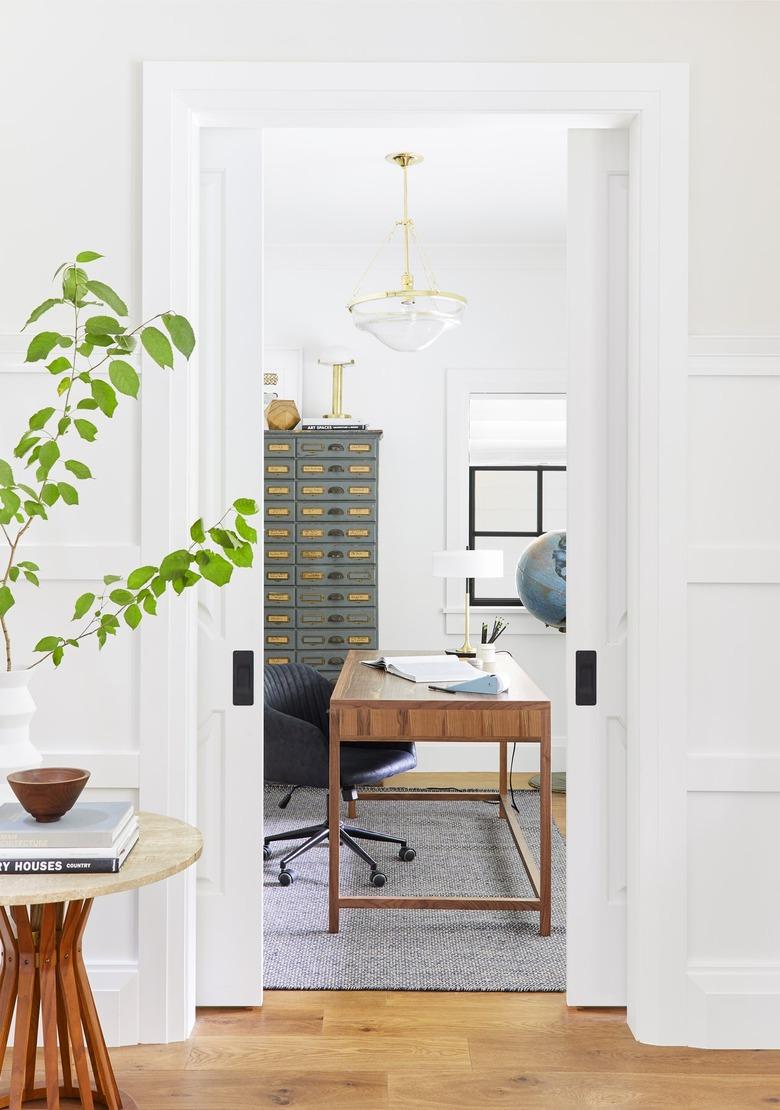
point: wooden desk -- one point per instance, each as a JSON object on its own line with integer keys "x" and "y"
{"x": 43, "y": 972}
{"x": 372, "y": 706}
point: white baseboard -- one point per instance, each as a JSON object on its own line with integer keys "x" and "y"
{"x": 734, "y": 1006}
{"x": 115, "y": 987}
{"x": 441, "y": 757}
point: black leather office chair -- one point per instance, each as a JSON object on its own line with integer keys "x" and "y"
{"x": 296, "y": 752}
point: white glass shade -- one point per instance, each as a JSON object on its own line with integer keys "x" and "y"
{"x": 408, "y": 321}
{"x": 336, "y": 356}
{"x": 468, "y": 564}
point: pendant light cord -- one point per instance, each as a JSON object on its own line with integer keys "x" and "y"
{"x": 376, "y": 255}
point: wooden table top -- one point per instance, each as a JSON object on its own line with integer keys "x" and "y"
{"x": 359, "y": 685}
{"x": 165, "y": 846}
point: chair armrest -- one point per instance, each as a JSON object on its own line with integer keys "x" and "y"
{"x": 295, "y": 750}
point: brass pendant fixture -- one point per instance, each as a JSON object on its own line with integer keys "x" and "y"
{"x": 407, "y": 319}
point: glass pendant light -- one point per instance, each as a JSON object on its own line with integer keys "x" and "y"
{"x": 407, "y": 319}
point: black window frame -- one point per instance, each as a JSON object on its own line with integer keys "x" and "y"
{"x": 474, "y": 534}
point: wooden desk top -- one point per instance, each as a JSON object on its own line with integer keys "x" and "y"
{"x": 164, "y": 847}
{"x": 359, "y": 685}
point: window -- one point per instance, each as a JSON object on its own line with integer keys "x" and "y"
{"x": 517, "y": 481}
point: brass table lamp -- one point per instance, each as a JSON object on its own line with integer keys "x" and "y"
{"x": 337, "y": 358}
{"x": 468, "y": 564}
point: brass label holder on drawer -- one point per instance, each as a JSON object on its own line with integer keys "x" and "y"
{"x": 278, "y": 534}
{"x": 278, "y": 575}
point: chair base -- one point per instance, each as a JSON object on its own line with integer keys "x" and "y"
{"x": 349, "y": 835}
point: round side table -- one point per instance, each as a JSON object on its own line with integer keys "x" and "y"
{"x": 42, "y": 922}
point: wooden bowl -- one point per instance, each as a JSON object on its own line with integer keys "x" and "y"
{"x": 48, "y": 792}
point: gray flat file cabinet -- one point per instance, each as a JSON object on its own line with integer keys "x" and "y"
{"x": 320, "y": 546}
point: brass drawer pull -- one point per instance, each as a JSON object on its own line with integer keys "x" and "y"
{"x": 335, "y": 639}
{"x": 335, "y": 531}
{"x": 335, "y": 511}
{"x": 335, "y": 554}
{"x": 335, "y": 618}
{"x": 338, "y": 597}
{"x": 335, "y": 489}
{"x": 335, "y": 575}
{"x": 335, "y": 661}
{"x": 336, "y": 468}
{"x": 335, "y": 446}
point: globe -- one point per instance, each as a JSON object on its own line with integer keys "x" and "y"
{"x": 541, "y": 579}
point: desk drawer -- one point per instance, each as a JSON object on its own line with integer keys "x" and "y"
{"x": 279, "y": 553}
{"x": 329, "y": 642}
{"x": 275, "y": 596}
{"x": 340, "y": 616}
{"x": 347, "y": 469}
{"x": 336, "y": 554}
{"x": 275, "y": 535}
{"x": 329, "y": 489}
{"x": 357, "y": 575}
{"x": 311, "y": 445}
{"x": 332, "y": 595}
{"x": 278, "y": 470}
{"x": 278, "y": 512}
{"x": 335, "y": 512}
{"x": 282, "y": 618}
{"x": 279, "y": 447}
{"x": 279, "y": 489}
{"x": 346, "y": 532}
{"x": 278, "y": 574}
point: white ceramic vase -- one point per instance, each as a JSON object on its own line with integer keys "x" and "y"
{"x": 16, "y": 711}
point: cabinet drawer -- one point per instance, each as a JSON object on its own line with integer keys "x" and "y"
{"x": 280, "y": 618}
{"x": 328, "y": 446}
{"x": 275, "y": 596}
{"x": 335, "y": 511}
{"x": 336, "y": 490}
{"x": 335, "y": 553}
{"x": 276, "y": 534}
{"x": 279, "y": 641}
{"x": 278, "y": 658}
{"x": 340, "y": 616}
{"x": 357, "y": 575}
{"x": 281, "y": 489}
{"x": 331, "y": 595}
{"x": 279, "y": 511}
{"x": 278, "y": 470}
{"x": 278, "y": 575}
{"x": 324, "y": 660}
{"x": 335, "y": 641}
{"x": 279, "y": 447}
{"x": 328, "y": 531}
{"x": 347, "y": 469}
{"x": 279, "y": 553}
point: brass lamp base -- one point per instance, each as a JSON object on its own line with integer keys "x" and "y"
{"x": 465, "y": 651}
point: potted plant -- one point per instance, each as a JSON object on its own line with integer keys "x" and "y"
{"x": 92, "y": 363}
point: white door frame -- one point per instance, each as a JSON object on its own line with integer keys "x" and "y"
{"x": 180, "y": 98}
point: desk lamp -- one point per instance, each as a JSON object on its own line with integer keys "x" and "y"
{"x": 467, "y": 564}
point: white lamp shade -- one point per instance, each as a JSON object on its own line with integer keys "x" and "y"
{"x": 336, "y": 356}
{"x": 468, "y": 564}
{"x": 408, "y": 321}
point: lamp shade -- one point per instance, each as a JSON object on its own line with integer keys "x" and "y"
{"x": 468, "y": 564}
{"x": 336, "y": 356}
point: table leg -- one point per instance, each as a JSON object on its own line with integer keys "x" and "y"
{"x": 334, "y": 803}
{"x": 503, "y": 779}
{"x": 43, "y": 974}
{"x": 545, "y": 831}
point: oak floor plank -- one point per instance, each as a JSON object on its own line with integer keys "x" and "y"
{"x": 294, "y": 1086}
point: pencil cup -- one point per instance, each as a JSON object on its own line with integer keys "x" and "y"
{"x": 486, "y": 653}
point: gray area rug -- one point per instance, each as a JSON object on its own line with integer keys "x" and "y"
{"x": 462, "y": 848}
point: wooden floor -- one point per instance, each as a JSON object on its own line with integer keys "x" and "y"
{"x": 344, "y": 1050}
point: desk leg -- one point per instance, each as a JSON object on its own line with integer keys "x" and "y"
{"x": 545, "y": 833}
{"x": 334, "y": 806}
{"x": 503, "y": 778}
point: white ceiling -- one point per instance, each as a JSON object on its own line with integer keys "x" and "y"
{"x": 499, "y": 182}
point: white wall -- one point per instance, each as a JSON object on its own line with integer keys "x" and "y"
{"x": 515, "y": 319}
{"x": 70, "y": 140}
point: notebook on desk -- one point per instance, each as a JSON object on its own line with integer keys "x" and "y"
{"x": 423, "y": 668}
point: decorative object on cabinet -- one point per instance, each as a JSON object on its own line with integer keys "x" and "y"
{"x": 320, "y": 537}
{"x": 337, "y": 358}
{"x": 406, "y": 319}
{"x": 282, "y": 415}
{"x": 282, "y": 376}
{"x": 467, "y": 564}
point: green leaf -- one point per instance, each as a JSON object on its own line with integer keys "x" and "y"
{"x": 88, "y": 403}
{"x": 85, "y": 349}
{"x": 105, "y": 396}
{"x": 121, "y": 597}
{"x": 11, "y": 501}
{"x": 14, "y": 573}
{"x": 124, "y": 344}
{"x": 61, "y": 267}
{"x": 74, "y": 284}
{"x": 150, "y": 606}
{"x": 216, "y": 569}
{"x": 133, "y": 616}
{"x": 33, "y": 508}
{"x": 246, "y": 506}
{"x": 33, "y": 578}
{"x": 175, "y": 563}
{"x": 50, "y": 493}
{"x": 197, "y": 533}
{"x": 124, "y": 377}
{"x": 140, "y": 577}
{"x": 83, "y": 605}
{"x": 245, "y": 530}
{"x": 180, "y": 331}
{"x": 58, "y": 365}
{"x": 158, "y": 586}
{"x": 39, "y": 418}
{"x": 87, "y": 256}
{"x": 6, "y": 474}
{"x": 106, "y": 294}
{"x": 157, "y": 346}
{"x": 86, "y": 430}
{"x": 44, "y": 306}
{"x": 56, "y": 656}
{"x": 68, "y": 493}
{"x": 62, "y": 386}
{"x": 110, "y": 578}
{"x": 102, "y": 325}
{"x": 240, "y": 556}
{"x": 221, "y": 537}
{"x": 48, "y": 643}
{"x": 25, "y": 444}
{"x": 80, "y": 469}
{"x": 6, "y": 600}
{"x": 48, "y": 453}
{"x": 42, "y": 345}
{"x": 25, "y": 564}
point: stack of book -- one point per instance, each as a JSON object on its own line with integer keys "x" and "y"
{"x": 91, "y": 837}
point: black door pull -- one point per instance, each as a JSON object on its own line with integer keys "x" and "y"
{"x": 243, "y": 678}
{"x": 585, "y": 678}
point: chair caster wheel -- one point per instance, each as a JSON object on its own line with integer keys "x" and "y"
{"x": 407, "y": 854}
{"x": 266, "y": 852}
{"x": 286, "y": 877}
{"x": 378, "y": 878}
